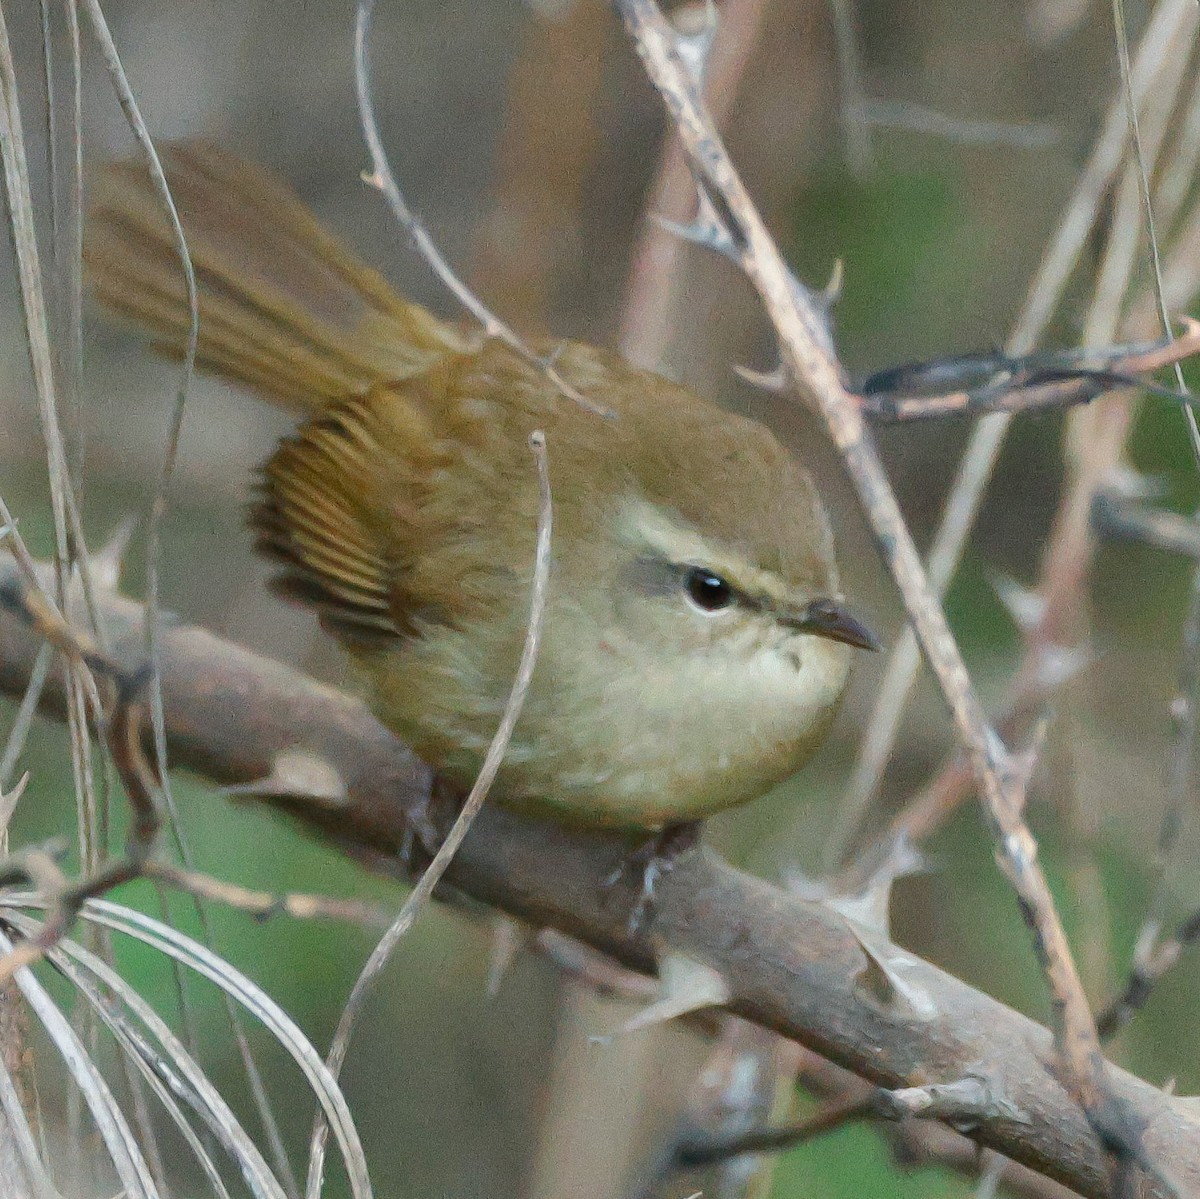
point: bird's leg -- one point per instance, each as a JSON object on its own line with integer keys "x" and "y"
{"x": 649, "y": 860}
{"x": 428, "y": 823}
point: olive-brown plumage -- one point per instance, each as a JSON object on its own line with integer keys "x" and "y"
{"x": 692, "y": 653}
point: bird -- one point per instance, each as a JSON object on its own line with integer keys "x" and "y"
{"x": 695, "y": 643}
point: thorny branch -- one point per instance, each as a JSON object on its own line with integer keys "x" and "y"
{"x": 809, "y": 359}
{"x": 792, "y": 966}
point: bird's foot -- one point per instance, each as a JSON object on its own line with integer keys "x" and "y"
{"x": 648, "y": 862}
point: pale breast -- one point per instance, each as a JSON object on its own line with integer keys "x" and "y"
{"x": 635, "y": 745}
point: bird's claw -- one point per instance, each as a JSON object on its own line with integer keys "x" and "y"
{"x": 649, "y": 862}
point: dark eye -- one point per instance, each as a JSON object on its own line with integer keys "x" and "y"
{"x": 708, "y": 591}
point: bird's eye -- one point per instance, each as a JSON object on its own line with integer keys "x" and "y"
{"x": 708, "y": 591}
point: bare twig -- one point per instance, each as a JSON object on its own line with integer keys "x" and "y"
{"x": 158, "y": 179}
{"x": 1147, "y": 202}
{"x": 1120, "y": 518}
{"x": 384, "y": 181}
{"x": 968, "y": 131}
{"x": 1026, "y": 384}
{"x": 1152, "y": 959}
{"x": 265, "y": 905}
{"x": 962, "y": 1101}
{"x": 122, "y": 729}
{"x": 855, "y": 126}
{"x": 650, "y": 310}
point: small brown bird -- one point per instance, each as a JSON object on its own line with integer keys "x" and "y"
{"x": 695, "y": 645}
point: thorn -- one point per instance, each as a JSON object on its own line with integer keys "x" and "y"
{"x": 705, "y": 229}
{"x": 9, "y": 801}
{"x": 822, "y": 328}
{"x": 829, "y": 295}
{"x": 777, "y": 380}
{"x": 868, "y": 908}
{"x": 695, "y": 30}
{"x": 1059, "y": 664}
{"x": 686, "y": 986}
{"x": 1026, "y": 606}
{"x": 882, "y": 976}
{"x": 508, "y": 938}
{"x": 296, "y": 772}
{"x": 107, "y": 561}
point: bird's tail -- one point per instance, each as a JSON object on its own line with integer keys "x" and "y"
{"x": 284, "y": 306}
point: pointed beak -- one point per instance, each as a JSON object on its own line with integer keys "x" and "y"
{"x": 828, "y": 618}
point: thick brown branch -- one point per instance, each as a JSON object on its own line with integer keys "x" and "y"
{"x": 790, "y": 966}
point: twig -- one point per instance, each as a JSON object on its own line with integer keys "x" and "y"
{"x": 1117, "y": 517}
{"x": 384, "y": 181}
{"x": 747, "y": 1081}
{"x": 158, "y": 505}
{"x": 265, "y": 905}
{"x": 650, "y": 310}
{"x": 417, "y": 901}
{"x": 963, "y": 1101}
{"x": 1147, "y": 202}
{"x": 1020, "y": 385}
{"x": 122, "y": 728}
{"x": 1170, "y": 26}
{"x": 1151, "y": 960}
{"x": 856, "y": 127}
{"x": 966, "y": 131}
{"x": 806, "y": 350}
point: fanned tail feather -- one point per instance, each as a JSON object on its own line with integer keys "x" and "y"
{"x": 284, "y": 306}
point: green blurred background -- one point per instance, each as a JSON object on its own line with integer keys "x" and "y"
{"x": 527, "y": 138}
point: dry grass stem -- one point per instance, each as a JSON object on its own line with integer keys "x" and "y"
{"x": 421, "y": 894}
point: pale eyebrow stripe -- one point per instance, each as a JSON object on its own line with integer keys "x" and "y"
{"x": 647, "y": 527}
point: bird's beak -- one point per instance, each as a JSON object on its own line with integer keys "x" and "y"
{"x": 828, "y": 618}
